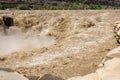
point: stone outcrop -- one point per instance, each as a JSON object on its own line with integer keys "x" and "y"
{"x": 8, "y": 74}
{"x": 109, "y": 71}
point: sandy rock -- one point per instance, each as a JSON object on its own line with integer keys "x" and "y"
{"x": 104, "y": 74}
{"x": 92, "y": 76}
{"x": 111, "y": 78}
{"x": 114, "y": 53}
{"x": 110, "y": 71}
{"x": 117, "y": 22}
{"x": 113, "y": 65}
{"x": 118, "y": 25}
{"x": 7, "y": 74}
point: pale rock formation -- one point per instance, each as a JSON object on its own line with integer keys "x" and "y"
{"x": 114, "y": 53}
{"x": 110, "y": 69}
{"x": 5, "y": 75}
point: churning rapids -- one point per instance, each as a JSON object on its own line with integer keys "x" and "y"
{"x": 57, "y": 42}
{"x": 13, "y": 42}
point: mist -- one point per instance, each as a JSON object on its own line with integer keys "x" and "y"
{"x": 18, "y": 42}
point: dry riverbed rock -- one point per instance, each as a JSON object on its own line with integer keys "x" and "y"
{"x": 8, "y": 74}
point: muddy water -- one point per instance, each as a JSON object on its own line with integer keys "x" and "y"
{"x": 82, "y": 38}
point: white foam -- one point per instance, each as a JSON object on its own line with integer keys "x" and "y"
{"x": 12, "y": 43}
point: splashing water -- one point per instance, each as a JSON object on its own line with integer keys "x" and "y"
{"x": 13, "y": 42}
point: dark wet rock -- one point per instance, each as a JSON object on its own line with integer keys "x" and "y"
{"x": 33, "y": 77}
{"x": 50, "y": 77}
{"x": 8, "y": 21}
{"x": 6, "y": 69}
{"x": 2, "y": 58}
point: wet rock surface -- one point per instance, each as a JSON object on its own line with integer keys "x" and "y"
{"x": 33, "y": 77}
{"x": 6, "y": 69}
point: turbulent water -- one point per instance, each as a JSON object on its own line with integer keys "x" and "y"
{"x": 57, "y": 42}
{"x": 18, "y": 42}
